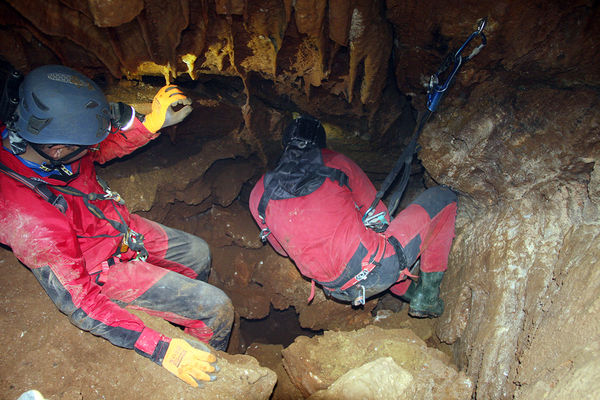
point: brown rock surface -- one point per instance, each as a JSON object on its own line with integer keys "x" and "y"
{"x": 523, "y": 161}
{"x": 270, "y": 357}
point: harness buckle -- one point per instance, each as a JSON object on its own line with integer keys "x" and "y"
{"x": 377, "y": 222}
{"x": 362, "y": 275}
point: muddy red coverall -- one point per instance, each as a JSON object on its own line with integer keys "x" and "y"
{"x": 68, "y": 254}
{"x": 323, "y": 232}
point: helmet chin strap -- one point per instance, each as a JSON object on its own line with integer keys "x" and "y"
{"x": 56, "y": 164}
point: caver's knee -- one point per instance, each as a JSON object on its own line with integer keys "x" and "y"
{"x": 435, "y": 199}
{"x": 445, "y": 194}
{"x": 223, "y": 314}
{"x": 221, "y": 322}
{"x": 194, "y": 254}
{"x": 200, "y": 251}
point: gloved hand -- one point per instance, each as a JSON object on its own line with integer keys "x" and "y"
{"x": 162, "y": 114}
{"x": 121, "y": 116}
{"x": 189, "y": 363}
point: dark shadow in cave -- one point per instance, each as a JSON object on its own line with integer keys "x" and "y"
{"x": 279, "y": 327}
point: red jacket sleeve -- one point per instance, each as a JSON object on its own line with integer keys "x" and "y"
{"x": 363, "y": 191}
{"x": 121, "y": 143}
{"x": 40, "y": 236}
{"x": 254, "y": 201}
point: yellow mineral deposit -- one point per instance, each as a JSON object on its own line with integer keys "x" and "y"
{"x": 189, "y": 60}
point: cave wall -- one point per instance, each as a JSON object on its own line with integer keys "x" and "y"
{"x": 522, "y": 279}
{"x": 517, "y": 137}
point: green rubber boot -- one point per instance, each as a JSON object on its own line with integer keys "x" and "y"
{"x": 423, "y": 296}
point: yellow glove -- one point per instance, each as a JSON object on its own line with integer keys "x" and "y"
{"x": 188, "y": 363}
{"x": 162, "y": 114}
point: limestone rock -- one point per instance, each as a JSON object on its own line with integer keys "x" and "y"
{"x": 377, "y": 380}
{"x": 315, "y": 364}
{"x": 270, "y": 356}
{"x": 523, "y": 161}
{"x": 177, "y": 175}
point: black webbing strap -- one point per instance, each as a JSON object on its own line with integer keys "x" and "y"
{"x": 39, "y": 187}
{"x": 402, "y": 164}
{"x": 274, "y": 185}
{"x": 87, "y": 197}
{"x": 134, "y": 240}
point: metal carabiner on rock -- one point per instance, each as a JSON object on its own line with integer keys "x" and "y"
{"x": 478, "y": 32}
{"x": 436, "y": 90}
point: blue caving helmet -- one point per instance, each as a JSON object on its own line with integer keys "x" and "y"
{"x": 58, "y": 105}
{"x": 304, "y": 131}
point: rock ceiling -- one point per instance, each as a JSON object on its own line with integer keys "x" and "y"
{"x": 344, "y": 53}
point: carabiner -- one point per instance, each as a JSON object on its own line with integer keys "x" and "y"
{"x": 377, "y": 222}
{"x": 264, "y": 233}
{"x": 360, "y": 300}
{"x": 478, "y": 32}
{"x": 436, "y": 91}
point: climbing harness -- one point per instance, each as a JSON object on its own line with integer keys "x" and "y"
{"x": 436, "y": 91}
{"x": 368, "y": 264}
{"x": 131, "y": 239}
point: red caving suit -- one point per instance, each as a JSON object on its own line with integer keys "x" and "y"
{"x": 68, "y": 252}
{"x": 323, "y": 233}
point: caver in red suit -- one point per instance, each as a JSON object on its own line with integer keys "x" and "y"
{"x": 310, "y": 208}
{"x": 93, "y": 258}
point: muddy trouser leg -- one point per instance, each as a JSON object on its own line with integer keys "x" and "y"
{"x": 425, "y": 229}
{"x": 171, "y": 283}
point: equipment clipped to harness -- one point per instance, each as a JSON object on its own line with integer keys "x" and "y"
{"x": 131, "y": 239}
{"x": 436, "y": 91}
{"x": 377, "y": 222}
{"x": 134, "y": 241}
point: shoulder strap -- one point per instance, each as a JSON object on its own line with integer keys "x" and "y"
{"x": 132, "y": 239}
{"x": 39, "y": 187}
{"x": 299, "y": 173}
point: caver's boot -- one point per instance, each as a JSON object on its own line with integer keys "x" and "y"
{"x": 423, "y": 296}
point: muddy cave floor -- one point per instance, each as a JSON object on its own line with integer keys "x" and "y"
{"x": 44, "y": 351}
